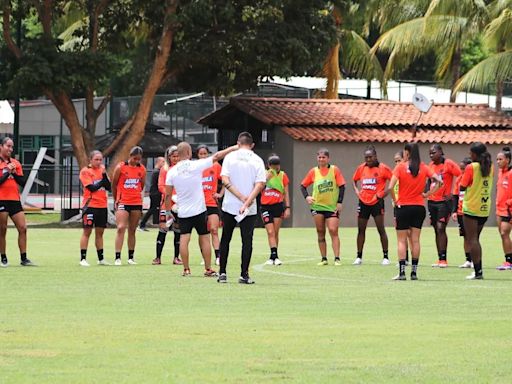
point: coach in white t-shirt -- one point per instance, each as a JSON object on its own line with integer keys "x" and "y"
{"x": 186, "y": 178}
{"x": 244, "y": 177}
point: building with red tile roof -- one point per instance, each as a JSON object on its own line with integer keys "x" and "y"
{"x": 296, "y": 128}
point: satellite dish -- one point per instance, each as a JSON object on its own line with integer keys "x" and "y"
{"x": 421, "y": 102}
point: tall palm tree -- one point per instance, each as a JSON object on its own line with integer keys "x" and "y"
{"x": 442, "y": 29}
{"x": 350, "y": 51}
{"x": 498, "y": 67}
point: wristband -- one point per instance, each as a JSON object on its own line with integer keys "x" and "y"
{"x": 287, "y": 207}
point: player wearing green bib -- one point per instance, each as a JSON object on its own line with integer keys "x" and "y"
{"x": 325, "y": 202}
{"x": 477, "y": 182}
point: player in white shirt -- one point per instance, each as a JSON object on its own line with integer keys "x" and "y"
{"x": 244, "y": 177}
{"x": 186, "y": 178}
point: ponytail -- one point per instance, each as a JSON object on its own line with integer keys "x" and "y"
{"x": 414, "y": 158}
{"x": 482, "y": 157}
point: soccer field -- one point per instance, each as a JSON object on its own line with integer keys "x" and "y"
{"x": 62, "y": 323}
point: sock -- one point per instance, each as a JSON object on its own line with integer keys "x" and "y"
{"x": 468, "y": 257}
{"x": 160, "y": 242}
{"x": 273, "y": 253}
{"x": 23, "y": 256}
{"x": 406, "y": 255}
{"x": 217, "y": 253}
{"x": 360, "y": 255}
{"x": 100, "y": 254}
{"x": 337, "y": 258}
{"x": 385, "y": 253}
{"x": 508, "y": 257}
{"x": 176, "y": 245}
{"x": 118, "y": 255}
{"x": 414, "y": 266}
{"x": 324, "y": 258}
{"x": 4, "y": 257}
{"x": 83, "y": 254}
{"x": 478, "y": 268}
{"x": 442, "y": 255}
{"x": 401, "y": 267}
{"x": 130, "y": 253}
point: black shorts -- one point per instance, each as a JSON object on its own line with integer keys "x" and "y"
{"x": 506, "y": 219}
{"x": 439, "y": 211}
{"x": 364, "y": 211}
{"x": 199, "y": 222}
{"x": 326, "y": 214}
{"x": 212, "y": 211}
{"x": 12, "y": 207}
{"x": 94, "y": 217}
{"x": 480, "y": 220}
{"x": 460, "y": 221}
{"x": 270, "y": 212}
{"x": 410, "y": 216}
{"x": 129, "y": 208}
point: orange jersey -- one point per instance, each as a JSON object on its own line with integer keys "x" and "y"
{"x": 447, "y": 171}
{"x": 96, "y": 199}
{"x": 129, "y": 185}
{"x": 310, "y": 177}
{"x": 211, "y": 177}
{"x": 503, "y": 192}
{"x": 271, "y": 196}
{"x": 373, "y": 181}
{"x": 162, "y": 177}
{"x": 9, "y": 189}
{"x": 410, "y": 188}
{"x": 457, "y": 191}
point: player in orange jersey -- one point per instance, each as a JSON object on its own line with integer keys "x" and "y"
{"x": 11, "y": 177}
{"x": 275, "y": 205}
{"x": 477, "y": 186}
{"x": 457, "y": 215}
{"x": 373, "y": 176}
{"x": 411, "y": 175}
{"x": 94, "y": 205}
{"x": 127, "y": 186}
{"x": 439, "y": 203}
{"x": 326, "y": 202}
{"x": 171, "y": 158}
{"x": 212, "y": 194}
{"x": 503, "y": 203}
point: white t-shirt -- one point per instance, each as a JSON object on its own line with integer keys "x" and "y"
{"x": 244, "y": 169}
{"x": 186, "y": 177}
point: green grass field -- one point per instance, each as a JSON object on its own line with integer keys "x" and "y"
{"x": 62, "y": 323}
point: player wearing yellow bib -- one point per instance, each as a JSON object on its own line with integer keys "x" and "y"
{"x": 477, "y": 183}
{"x": 326, "y": 202}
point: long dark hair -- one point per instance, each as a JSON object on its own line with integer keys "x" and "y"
{"x": 482, "y": 157}
{"x": 414, "y": 158}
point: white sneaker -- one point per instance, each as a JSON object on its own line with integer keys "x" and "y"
{"x": 277, "y": 262}
{"x": 358, "y": 261}
{"x": 132, "y": 262}
{"x": 4, "y": 265}
{"x": 269, "y": 262}
{"x": 217, "y": 261}
{"x": 202, "y": 262}
{"x": 103, "y": 262}
{"x": 117, "y": 262}
{"x": 385, "y": 262}
{"x": 84, "y": 263}
{"x": 467, "y": 264}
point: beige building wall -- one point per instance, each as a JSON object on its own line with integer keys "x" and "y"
{"x": 347, "y": 156}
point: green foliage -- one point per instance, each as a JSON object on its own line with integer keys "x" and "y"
{"x": 473, "y": 52}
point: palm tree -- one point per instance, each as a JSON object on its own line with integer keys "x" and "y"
{"x": 350, "y": 51}
{"x": 442, "y": 29}
{"x": 498, "y": 67}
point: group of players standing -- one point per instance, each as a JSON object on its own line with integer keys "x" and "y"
{"x": 191, "y": 191}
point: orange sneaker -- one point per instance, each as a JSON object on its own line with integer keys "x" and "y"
{"x": 443, "y": 263}
{"x": 505, "y": 266}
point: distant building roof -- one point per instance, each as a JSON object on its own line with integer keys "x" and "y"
{"x": 370, "y": 120}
